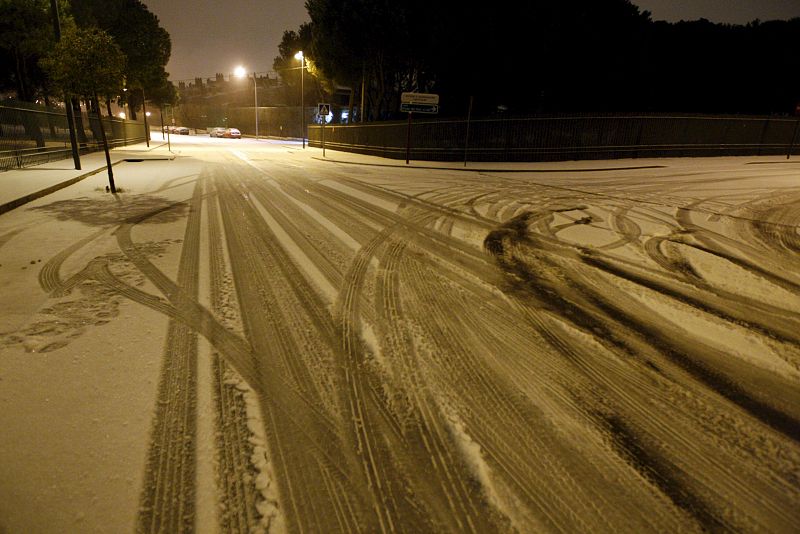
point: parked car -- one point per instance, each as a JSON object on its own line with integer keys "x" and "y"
{"x": 182, "y": 130}
{"x": 216, "y": 131}
{"x": 232, "y": 133}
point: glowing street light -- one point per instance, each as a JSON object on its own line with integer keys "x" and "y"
{"x": 239, "y": 72}
{"x": 302, "y": 59}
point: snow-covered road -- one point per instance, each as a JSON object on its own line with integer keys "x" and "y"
{"x": 250, "y": 338}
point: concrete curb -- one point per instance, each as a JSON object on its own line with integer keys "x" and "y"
{"x": 478, "y": 169}
{"x": 146, "y": 156}
{"x": 8, "y": 206}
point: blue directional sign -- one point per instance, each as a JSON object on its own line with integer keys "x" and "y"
{"x": 419, "y": 102}
{"x": 420, "y": 108}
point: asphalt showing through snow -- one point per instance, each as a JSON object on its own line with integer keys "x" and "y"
{"x": 606, "y": 348}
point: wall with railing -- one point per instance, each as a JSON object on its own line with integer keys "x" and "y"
{"x": 555, "y": 138}
{"x": 30, "y": 135}
{"x": 273, "y": 121}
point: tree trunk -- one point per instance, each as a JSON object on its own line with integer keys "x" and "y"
{"x": 93, "y": 107}
{"x": 79, "y": 128}
{"x": 105, "y": 147}
{"x": 50, "y": 122}
{"x": 22, "y": 90}
{"x": 32, "y": 128}
{"x": 350, "y": 105}
{"x": 133, "y": 103}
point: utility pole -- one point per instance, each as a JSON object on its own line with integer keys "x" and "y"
{"x": 466, "y": 138}
{"x": 146, "y": 126}
{"x": 794, "y": 134}
{"x": 302, "y": 59}
{"x": 302, "y": 99}
{"x": 361, "y": 110}
{"x": 73, "y": 139}
{"x": 255, "y": 98}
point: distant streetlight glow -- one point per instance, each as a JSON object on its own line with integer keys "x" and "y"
{"x": 147, "y": 114}
{"x": 240, "y": 72}
{"x": 121, "y": 115}
{"x": 301, "y": 57}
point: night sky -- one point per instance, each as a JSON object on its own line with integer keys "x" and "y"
{"x": 727, "y": 11}
{"x": 209, "y": 36}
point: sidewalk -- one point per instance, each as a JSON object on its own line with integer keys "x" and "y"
{"x": 587, "y": 165}
{"x": 19, "y": 186}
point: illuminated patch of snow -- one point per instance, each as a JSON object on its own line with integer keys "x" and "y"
{"x": 361, "y": 195}
{"x": 315, "y": 276}
{"x": 496, "y": 494}
{"x": 730, "y": 277}
{"x": 588, "y": 235}
{"x": 745, "y": 344}
{"x": 272, "y": 519}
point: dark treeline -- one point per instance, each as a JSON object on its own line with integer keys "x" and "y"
{"x": 27, "y": 37}
{"x": 546, "y": 56}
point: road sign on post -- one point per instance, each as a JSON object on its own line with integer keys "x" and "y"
{"x": 419, "y": 103}
{"x": 324, "y": 110}
{"x": 420, "y": 108}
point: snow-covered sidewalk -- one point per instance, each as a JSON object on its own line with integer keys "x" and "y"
{"x": 19, "y": 186}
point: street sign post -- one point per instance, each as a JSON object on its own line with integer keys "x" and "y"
{"x": 323, "y": 110}
{"x": 796, "y": 128}
{"x": 417, "y": 103}
{"x": 420, "y": 108}
{"x": 167, "y": 107}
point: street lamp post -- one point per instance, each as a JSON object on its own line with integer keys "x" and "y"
{"x": 239, "y": 72}
{"x": 302, "y": 59}
{"x": 255, "y": 99}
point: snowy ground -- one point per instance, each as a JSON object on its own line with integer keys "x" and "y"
{"x": 249, "y": 338}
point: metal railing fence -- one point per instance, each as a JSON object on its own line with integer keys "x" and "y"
{"x": 30, "y": 135}
{"x": 556, "y": 138}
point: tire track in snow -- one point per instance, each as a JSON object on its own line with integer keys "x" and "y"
{"x": 234, "y": 441}
{"x": 167, "y": 500}
{"x": 559, "y": 297}
{"x": 302, "y": 436}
